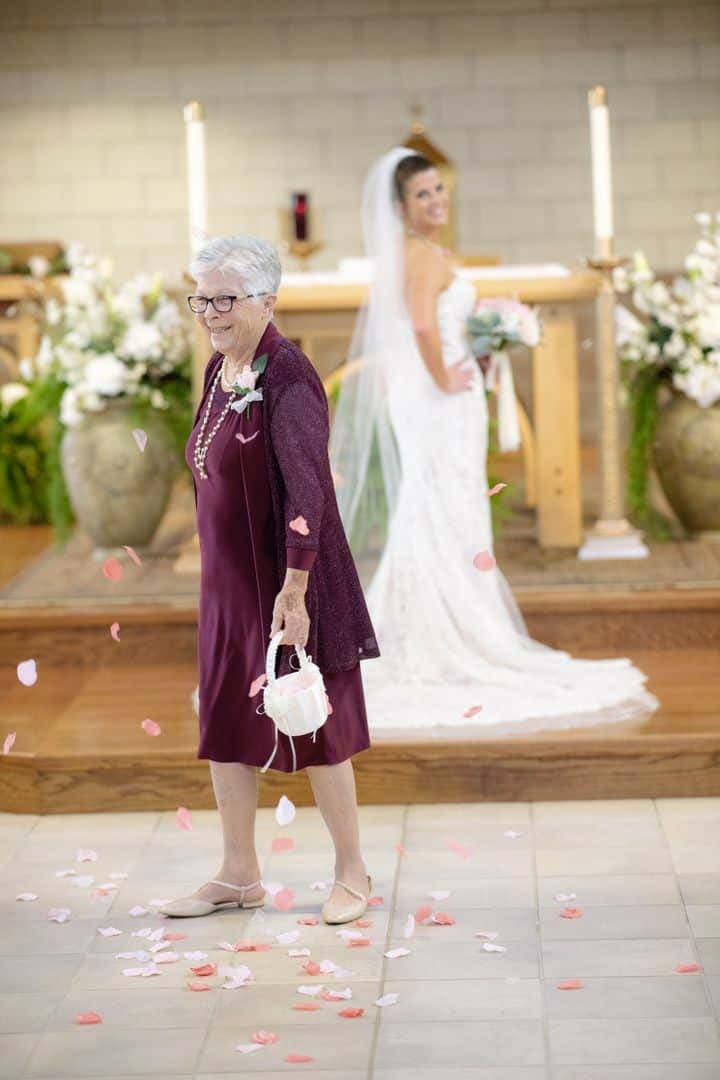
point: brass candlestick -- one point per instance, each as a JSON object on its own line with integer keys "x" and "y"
{"x": 612, "y": 536}
{"x": 303, "y": 249}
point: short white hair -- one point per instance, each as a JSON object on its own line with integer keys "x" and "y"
{"x": 248, "y": 258}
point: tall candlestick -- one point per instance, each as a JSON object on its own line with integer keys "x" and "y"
{"x": 300, "y": 212}
{"x": 196, "y": 174}
{"x": 601, "y": 170}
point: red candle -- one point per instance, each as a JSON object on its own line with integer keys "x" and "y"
{"x": 301, "y": 226}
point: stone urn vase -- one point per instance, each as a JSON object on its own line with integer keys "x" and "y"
{"x": 118, "y": 492}
{"x": 686, "y": 455}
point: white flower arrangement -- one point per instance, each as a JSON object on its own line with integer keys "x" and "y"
{"x": 102, "y": 343}
{"x": 680, "y": 335}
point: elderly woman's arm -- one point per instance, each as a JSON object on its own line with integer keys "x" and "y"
{"x": 299, "y": 430}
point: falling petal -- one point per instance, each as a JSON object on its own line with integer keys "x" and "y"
{"x": 688, "y": 969}
{"x": 140, "y": 438}
{"x": 115, "y": 631}
{"x": 27, "y": 672}
{"x": 472, "y": 711}
{"x": 257, "y": 684}
{"x": 387, "y": 999}
{"x": 27, "y": 896}
{"x": 284, "y": 899}
{"x": 282, "y": 843}
{"x": 569, "y": 984}
{"x": 285, "y": 810}
{"x": 484, "y": 560}
{"x": 298, "y": 1059}
{"x": 245, "y": 439}
{"x": 409, "y": 927}
{"x": 422, "y": 913}
{"x": 264, "y": 1038}
{"x": 571, "y": 913}
{"x": 329, "y": 705}
{"x": 300, "y": 525}
{"x": 112, "y": 569}
{"x": 395, "y": 954}
{"x": 496, "y": 489}
{"x": 351, "y": 1013}
{"x": 150, "y": 727}
{"x": 88, "y": 1018}
{"x": 9, "y": 742}
{"x": 183, "y": 818}
{"x": 133, "y": 555}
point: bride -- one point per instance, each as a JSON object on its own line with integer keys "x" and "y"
{"x": 409, "y": 448}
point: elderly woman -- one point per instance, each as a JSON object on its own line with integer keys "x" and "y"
{"x": 274, "y": 557}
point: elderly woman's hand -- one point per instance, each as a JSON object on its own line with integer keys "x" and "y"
{"x": 290, "y": 613}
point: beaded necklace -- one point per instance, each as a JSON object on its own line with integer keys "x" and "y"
{"x": 201, "y": 447}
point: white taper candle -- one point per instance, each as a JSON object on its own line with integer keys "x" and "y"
{"x": 601, "y": 170}
{"x": 196, "y": 174}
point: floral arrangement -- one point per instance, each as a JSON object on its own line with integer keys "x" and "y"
{"x": 101, "y": 345}
{"x": 675, "y": 345}
{"x": 23, "y": 467}
{"x": 495, "y": 325}
{"x": 37, "y": 266}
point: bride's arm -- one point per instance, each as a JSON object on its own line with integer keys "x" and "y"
{"x": 426, "y": 276}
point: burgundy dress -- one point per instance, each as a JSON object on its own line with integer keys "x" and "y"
{"x": 240, "y": 579}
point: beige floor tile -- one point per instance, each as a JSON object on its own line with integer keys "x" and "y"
{"x": 584, "y": 959}
{"x": 689, "y": 809}
{"x": 269, "y": 1005}
{"x": 344, "y": 1045}
{"x": 627, "y": 997}
{"x": 469, "y": 815}
{"x": 680, "y": 1071}
{"x": 136, "y": 1007}
{"x": 700, "y": 888}
{"x": 657, "y": 921}
{"x": 704, "y": 920}
{"x": 627, "y": 1041}
{"x": 467, "y": 999}
{"x": 703, "y": 833}
{"x": 26, "y": 1013}
{"x": 603, "y": 834}
{"x": 709, "y": 954}
{"x": 570, "y": 861}
{"x": 465, "y": 960}
{"x": 614, "y": 890}
{"x": 18, "y": 937}
{"x": 713, "y": 984}
{"x": 591, "y": 811}
{"x": 481, "y": 864}
{"x": 15, "y": 1051}
{"x": 54, "y": 974}
{"x": 284, "y": 1070}
{"x": 106, "y": 1051}
{"x": 513, "y": 924}
{"x": 482, "y": 838}
{"x": 467, "y": 891}
{"x": 511, "y": 1072}
{"x": 486, "y": 1042}
{"x": 696, "y": 860}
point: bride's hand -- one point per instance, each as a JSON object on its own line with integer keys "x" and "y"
{"x": 459, "y": 377}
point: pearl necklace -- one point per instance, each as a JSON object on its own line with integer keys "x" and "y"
{"x": 201, "y": 448}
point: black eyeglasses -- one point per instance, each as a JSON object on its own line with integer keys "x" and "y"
{"x": 222, "y": 304}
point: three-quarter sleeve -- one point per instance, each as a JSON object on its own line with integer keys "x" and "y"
{"x": 299, "y": 430}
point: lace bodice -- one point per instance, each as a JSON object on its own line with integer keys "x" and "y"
{"x": 454, "y": 305}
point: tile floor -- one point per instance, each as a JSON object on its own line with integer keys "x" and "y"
{"x": 646, "y": 877}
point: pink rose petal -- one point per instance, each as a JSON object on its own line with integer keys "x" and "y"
{"x": 400, "y": 850}
{"x": 88, "y": 1018}
{"x": 310, "y": 967}
{"x": 308, "y": 920}
{"x": 363, "y": 924}
{"x": 112, "y": 569}
{"x": 115, "y": 631}
{"x": 422, "y": 913}
{"x": 27, "y": 672}
{"x": 150, "y": 727}
{"x": 473, "y": 711}
{"x": 496, "y": 489}
{"x": 298, "y": 1059}
{"x": 484, "y": 561}
{"x": 688, "y": 969}
{"x": 257, "y": 684}
{"x": 204, "y": 969}
{"x": 282, "y": 843}
{"x": 140, "y": 438}
{"x": 284, "y": 899}
{"x": 359, "y": 943}
{"x": 300, "y": 525}
{"x": 571, "y": 913}
{"x": 265, "y": 1038}
{"x": 460, "y": 849}
{"x": 9, "y": 742}
{"x": 183, "y": 818}
{"x": 306, "y": 1006}
{"x": 375, "y": 901}
{"x": 569, "y": 984}
{"x": 198, "y": 986}
{"x": 440, "y": 918}
{"x": 243, "y": 439}
{"x": 351, "y": 1013}
{"x": 133, "y": 555}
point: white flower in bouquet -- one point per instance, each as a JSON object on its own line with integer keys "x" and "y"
{"x": 675, "y": 347}
{"x": 44, "y": 357}
{"x": 39, "y": 266}
{"x": 701, "y": 381}
{"x": 70, "y": 412}
{"x": 53, "y": 312}
{"x": 707, "y": 327}
{"x": 141, "y": 341}
{"x": 158, "y": 399}
{"x": 10, "y": 393}
{"x": 106, "y": 375}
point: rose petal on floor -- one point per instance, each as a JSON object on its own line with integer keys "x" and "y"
{"x": 319, "y": 886}
{"x": 112, "y": 569}
{"x": 197, "y": 986}
{"x": 363, "y": 924}
{"x": 174, "y": 937}
{"x": 140, "y": 438}
{"x": 285, "y": 811}
{"x": 688, "y": 969}
{"x": 300, "y": 525}
{"x": 115, "y": 631}
{"x": 27, "y": 672}
{"x": 305, "y": 1006}
{"x": 564, "y": 897}
{"x": 394, "y": 954}
{"x": 257, "y": 684}
{"x": 205, "y": 969}
{"x": 569, "y": 984}
{"x": 282, "y": 843}
{"x": 487, "y": 935}
{"x": 88, "y": 1018}
{"x": 294, "y": 954}
{"x": 150, "y": 727}
{"x": 264, "y": 1038}
{"x": 487, "y": 946}
{"x": 512, "y": 835}
{"x": 183, "y": 818}
{"x": 196, "y": 954}
{"x": 251, "y": 946}
{"x": 463, "y": 850}
{"x": 441, "y": 918}
{"x": 571, "y": 913}
{"x": 27, "y": 896}
{"x": 288, "y": 937}
{"x": 375, "y": 901}
{"x": 109, "y": 931}
{"x": 59, "y": 914}
{"x": 484, "y": 561}
{"x": 387, "y": 999}
{"x": 248, "y": 1048}
{"x": 284, "y": 899}
{"x": 423, "y": 912}
{"x": 359, "y": 943}
{"x": 133, "y": 555}
{"x": 439, "y": 894}
{"x": 309, "y": 991}
{"x": 311, "y": 968}
{"x": 298, "y": 1059}
{"x": 335, "y": 995}
{"x": 9, "y": 742}
{"x": 352, "y": 1013}
{"x": 308, "y": 920}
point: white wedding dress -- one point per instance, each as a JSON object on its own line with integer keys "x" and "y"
{"x": 451, "y": 636}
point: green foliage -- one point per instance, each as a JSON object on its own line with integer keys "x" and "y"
{"x": 23, "y": 468}
{"x": 643, "y": 384}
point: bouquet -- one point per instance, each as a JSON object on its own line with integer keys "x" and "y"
{"x": 23, "y": 474}
{"x": 674, "y": 344}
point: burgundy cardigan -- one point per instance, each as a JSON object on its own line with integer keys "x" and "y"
{"x": 296, "y": 429}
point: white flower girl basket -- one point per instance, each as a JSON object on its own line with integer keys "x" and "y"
{"x": 296, "y": 703}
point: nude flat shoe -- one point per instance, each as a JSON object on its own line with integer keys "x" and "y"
{"x": 335, "y": 913}
{"x": 190, "y": 907}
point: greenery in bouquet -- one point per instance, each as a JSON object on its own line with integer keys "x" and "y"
{"x": 497, "y": 325}
{"x": 103, "y": 344}
{"x": 673, "y": 345}
{"x": 37, "y": 266}
{"x": 23, "y": 460}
